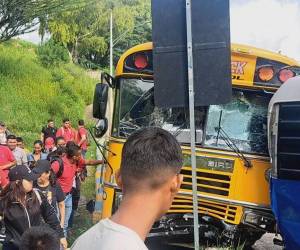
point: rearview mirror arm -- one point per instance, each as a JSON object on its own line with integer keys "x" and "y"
{"x": 110, "y": 80}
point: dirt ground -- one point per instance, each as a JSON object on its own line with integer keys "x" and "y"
{"x": 266, "y": 243}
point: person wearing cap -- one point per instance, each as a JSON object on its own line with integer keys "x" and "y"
{"x": 22, "y": 207}
{"x": 7, "y": 160}
{"x": 47, "y": 184}
{"x": 18, "y": 153}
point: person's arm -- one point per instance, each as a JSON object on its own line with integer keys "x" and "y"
{"x": 62, "y": 209}
{"x": 11, "y": 160}
{"x": 93, "y": 162}
{"x": 83, "y": 139}
{"x": 8, "y": 165}
{"x": 49, "y": 215}
{"x": 58, "y": 132}
{"x": 82, "y": 134}
{"x": 60, "y": 197}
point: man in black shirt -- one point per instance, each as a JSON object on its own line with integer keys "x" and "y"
{"x": 48, "y": 131}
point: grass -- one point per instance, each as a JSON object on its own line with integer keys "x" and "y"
{"x": 30, "y": 94}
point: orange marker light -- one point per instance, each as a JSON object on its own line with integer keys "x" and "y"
{"x": 285, "y": 74}
{"x": 265, "y": 73}
{"x": 140, "y": 61}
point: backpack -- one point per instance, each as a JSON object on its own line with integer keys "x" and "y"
{"x": 60, "y": 163}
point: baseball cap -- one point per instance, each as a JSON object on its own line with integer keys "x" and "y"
{"x": 49, "y": 143}
{"x": 21, "y": 172}
{"x": 41, "y": 166}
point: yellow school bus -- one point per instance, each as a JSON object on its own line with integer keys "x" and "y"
{"x": 232, "y": 154}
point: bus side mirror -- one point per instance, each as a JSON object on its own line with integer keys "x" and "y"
{"x": 99, "y": 109}
{"x": 100, "y": 100}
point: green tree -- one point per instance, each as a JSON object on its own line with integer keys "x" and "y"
{"x": 85, "y": 32}
{"x": 52, "y": 54}
{"x": 22, "y": 16}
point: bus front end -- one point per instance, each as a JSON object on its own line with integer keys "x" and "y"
{"x": 232, "y": 154}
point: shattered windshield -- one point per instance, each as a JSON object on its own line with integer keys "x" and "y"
{"x": 135, "y": 109}
{"x": 244, "y": 120}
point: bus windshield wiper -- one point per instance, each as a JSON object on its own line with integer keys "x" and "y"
{"x": 230, "y": 143}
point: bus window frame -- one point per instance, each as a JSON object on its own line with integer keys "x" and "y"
{"x": 115, "y": 124}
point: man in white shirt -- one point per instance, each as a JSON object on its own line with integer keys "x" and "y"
{"x": 18, "y": 153}
{"x": 149, "y": 178}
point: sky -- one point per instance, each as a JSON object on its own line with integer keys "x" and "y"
{"x": 269, "y": 24}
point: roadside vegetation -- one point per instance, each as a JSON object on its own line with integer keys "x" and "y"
{"x": 38, "y": 83}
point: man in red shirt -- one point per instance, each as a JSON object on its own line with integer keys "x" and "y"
{"x": 7, "y": 160}
{"x": 66, "y": 131}
{"x": 82, "y": 137}
{"x": 80, "y": 177}
{"x": 67, "y": 177}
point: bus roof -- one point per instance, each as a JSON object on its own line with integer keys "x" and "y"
{"x": 239, "y": 48}
{"x": 250, "y": 67}
{"x": 235, "y": 48}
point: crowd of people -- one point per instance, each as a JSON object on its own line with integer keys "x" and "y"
{"x": 40, "y": 190}
{"x": 42, "y": 186}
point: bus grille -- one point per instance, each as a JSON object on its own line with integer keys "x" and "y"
{"x": 209, "y": 183}
{"x": 183, "y": 204}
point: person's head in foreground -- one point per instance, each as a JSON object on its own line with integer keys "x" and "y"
{"x": 149, "y": 178}
{"x": 150, "y": 167}
{"x": 40, "y": 238}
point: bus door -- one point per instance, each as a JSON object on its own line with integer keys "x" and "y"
{"x": 284, "y": 147}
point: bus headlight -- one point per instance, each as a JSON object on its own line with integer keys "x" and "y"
{"x": 252, "y": 218}
{"x": 258, "y": 219}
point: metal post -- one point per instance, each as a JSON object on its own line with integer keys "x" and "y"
{"x": 192, "y": 119}
{"x": 111, "y": 45}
